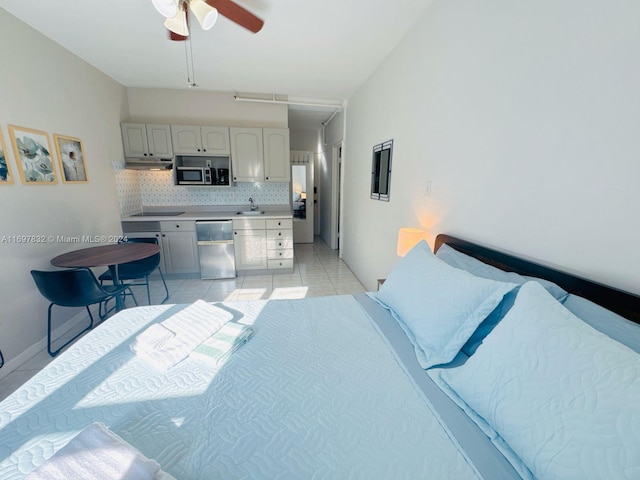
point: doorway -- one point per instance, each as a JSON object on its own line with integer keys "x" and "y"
{"x": 302, "y": 197}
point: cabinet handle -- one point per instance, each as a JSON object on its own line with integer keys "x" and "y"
{"x": 151, "y": 154}
{"x": 145, "y": 154}
{"x": 163, "y": 235}
{"x": 204, "y": 149}
{"x": 267, "y": 178}
{"x": 198, "y": 149}
{"x": 279, "y": 244}
{"x": 280, "y": 253}
{"x": 177, "y": 226}
{"x": 279, "y": 233}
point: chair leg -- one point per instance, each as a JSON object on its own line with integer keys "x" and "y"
{"x": 132, "y": 296}
{"x": 146, "y": 279}
{"x": 52, "y": 353}
{"x": 165, "y": 287}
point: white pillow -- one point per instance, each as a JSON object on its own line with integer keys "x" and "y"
{"x": 565, "y": 397}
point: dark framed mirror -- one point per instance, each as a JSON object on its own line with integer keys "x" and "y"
{"x": 381, "y": 171}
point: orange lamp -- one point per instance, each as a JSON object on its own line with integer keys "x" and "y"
{"x": 407, "y": 238}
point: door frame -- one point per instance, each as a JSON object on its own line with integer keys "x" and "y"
{"x": 337, "y": 157}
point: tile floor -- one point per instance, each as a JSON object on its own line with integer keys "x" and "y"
{"x": 317, "y": 272}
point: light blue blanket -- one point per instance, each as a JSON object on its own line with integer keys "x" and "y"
{"x": 316, "y": 393}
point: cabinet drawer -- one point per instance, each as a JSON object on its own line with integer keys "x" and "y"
{"x": 186, "y": 226}
{"x": 279, "y": 223}
{"x": 280, "y": 264}
{"x": 249, "y": 223}
{"x": 280, "y": 234}
{"x": 280, "y": 242}
{"x": 280, "y": 253}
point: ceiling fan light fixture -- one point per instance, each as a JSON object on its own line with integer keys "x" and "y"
{"x": 166, "y": 8}
{"x": 205, "y": 13}
{"x": 178, "y": 23}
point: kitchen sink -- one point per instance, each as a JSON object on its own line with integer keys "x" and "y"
{"x": 251, "y": 212}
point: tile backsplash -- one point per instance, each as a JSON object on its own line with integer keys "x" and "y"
{"x": 128, "y": 187}
{"x": 158, "y": 189}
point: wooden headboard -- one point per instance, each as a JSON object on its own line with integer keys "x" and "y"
{"x": 623, "y": 303}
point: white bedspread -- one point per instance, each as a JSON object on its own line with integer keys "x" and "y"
{"x": 315, "y": 394}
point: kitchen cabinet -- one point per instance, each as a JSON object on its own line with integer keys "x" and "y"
{"x": 180, "y": 247}
{"x": 146, "y": 140}
{"x": 200, "y": 139}
{"x": 260, "y": 154}
{"x": 277, "y": 157}
{"x": 280, "y": 244}
{"x": 247, "y": 155}
{"x": 250, "y": 244}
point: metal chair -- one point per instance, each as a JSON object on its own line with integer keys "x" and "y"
{"x": 76, "y": 287}
{"x": 139, "y": 270}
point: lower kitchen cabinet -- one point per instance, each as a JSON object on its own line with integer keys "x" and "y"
{"x": 250, "y": 244}
{"x": 263, "y": 245}
{"x": 180, "y": 247}
{"x": 280, "y": 244}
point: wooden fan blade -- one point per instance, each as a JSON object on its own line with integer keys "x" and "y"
{"x": 175, "y": 36}
{"x": 237, "y": 14}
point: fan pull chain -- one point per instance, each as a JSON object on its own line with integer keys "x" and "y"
{"x": 191, "y": 75}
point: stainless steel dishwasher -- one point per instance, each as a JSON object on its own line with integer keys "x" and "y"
{"x": 215, "y": 248}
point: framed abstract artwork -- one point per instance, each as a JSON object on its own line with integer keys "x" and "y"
{"x": 71, "y": 157}
{"x": 6, "y": 177}
{"x": 33, "y": 155}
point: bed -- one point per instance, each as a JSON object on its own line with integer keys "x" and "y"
{"x": 352, "y": 387}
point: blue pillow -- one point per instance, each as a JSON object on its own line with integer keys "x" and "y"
{"x": 437, "y": 305}
{"x": 481, "y": 269}
{"x": 560, "y": 394}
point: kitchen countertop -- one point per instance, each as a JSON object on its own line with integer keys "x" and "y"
{"x": 209, "y": 213}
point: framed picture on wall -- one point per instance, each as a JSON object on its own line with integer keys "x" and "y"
{"x": 33, "y": 155}
{"x": 71, "y": 158}
{"x": 5, "y": 170}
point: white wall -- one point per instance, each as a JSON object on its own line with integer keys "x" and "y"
{"x": 199, "y": 107}
{"x": 45, "y": 87}
{"x": 524, "y": 116}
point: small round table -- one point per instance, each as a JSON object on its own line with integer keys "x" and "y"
{"x": 107, "y": 256}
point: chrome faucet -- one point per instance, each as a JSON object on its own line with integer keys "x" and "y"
{"x": 253, "y": 207}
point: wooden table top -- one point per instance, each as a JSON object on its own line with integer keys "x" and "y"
{"x": 104, "y": 255}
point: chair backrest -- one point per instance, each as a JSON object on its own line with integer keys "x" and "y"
{"x": 69, "y": 288}
{"x": 143, "y": 267}
{"x": 143, "y": 240}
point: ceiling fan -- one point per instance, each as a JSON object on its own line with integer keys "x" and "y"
{"x": 206, "y": 11}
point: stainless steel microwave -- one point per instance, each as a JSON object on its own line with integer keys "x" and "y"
{"x": 196, "y": 176}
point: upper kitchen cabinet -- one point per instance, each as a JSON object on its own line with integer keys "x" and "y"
{"x": 146, "y": 140}
{"x": 196, "y": 139}
{"x": 276, "y": 155}
{"x": 247, "y": 157}
{"x": 260, "y": 155}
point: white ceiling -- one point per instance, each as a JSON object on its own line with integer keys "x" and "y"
{"x": 319, "y": 49}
